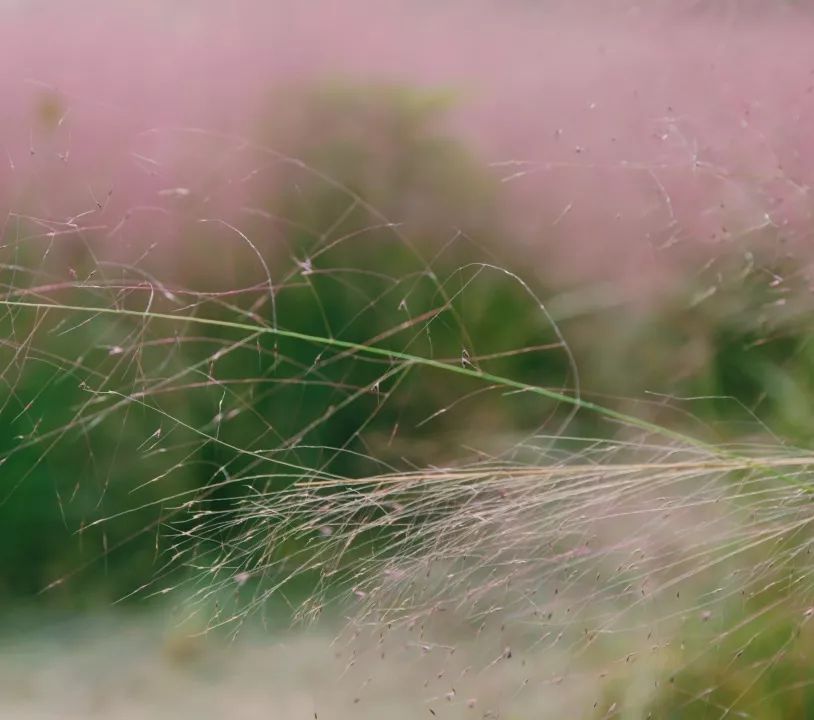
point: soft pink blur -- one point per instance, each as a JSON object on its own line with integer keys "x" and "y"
{"x": 627, "y": 141}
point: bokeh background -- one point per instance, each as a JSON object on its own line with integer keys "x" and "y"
{"x": 609, "y": 198}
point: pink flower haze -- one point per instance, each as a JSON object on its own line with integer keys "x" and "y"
{"x": 625, "y": 140}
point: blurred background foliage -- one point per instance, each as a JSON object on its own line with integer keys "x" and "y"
{"x": 341, "y": 271}
{"x": 735, "y": 338}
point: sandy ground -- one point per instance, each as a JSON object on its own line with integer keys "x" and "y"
{"x": 128, "y": 667}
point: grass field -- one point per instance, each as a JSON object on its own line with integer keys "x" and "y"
{"x": 397, "y": 359}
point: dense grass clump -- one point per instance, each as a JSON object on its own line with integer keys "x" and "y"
{"x": 305, "y": 408}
